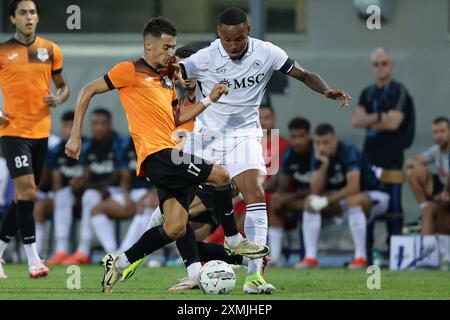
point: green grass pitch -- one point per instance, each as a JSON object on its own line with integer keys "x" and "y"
{"x": 290, "y": 283}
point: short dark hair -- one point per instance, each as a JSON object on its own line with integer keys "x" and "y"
{"x": 15, "y": 3}
{"x": 232, "y": 16}
{"x": 159, "y": 25}
{"x": 441, "y": 119}
{"x": 299, "y": 123}
{"x": 323, "y": 129}
{"x": 185, "y": 52}
{"x": 68, "y": 116}
{"x": 102, "y": 112}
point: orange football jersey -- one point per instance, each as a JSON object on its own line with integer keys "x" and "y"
{"x": 148, "y": 99}
{"x": 25, "y": 79}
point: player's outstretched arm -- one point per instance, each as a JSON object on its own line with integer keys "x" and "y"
{"x": 73, "y": 146}
{"x": 184, "y": 113}
{"x": 316, "y": 83}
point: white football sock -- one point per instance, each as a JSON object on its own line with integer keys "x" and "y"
{"x": 89, "y": 200}
{"x": 156, "y": 219}
{"x": 311, "y": 229}
{"x": 122, "y": 262}
{"x": 104, "y": 230}
{"x": 63, "y": 216}
{"x": 40, "y": 236}
{"x": 358, "y": 227}
{"x": 255, "y": 227}
{"x": 444, "y": 246}
{"x": 275, "y": 243}
{"x": 146, "y": 217}
{"x": 194, "y": 270}
{"x": 380, "y": 205}
{"x": 31, "y": 252}
{"x": 135, "y": 230}
{"x": 3, "y": 246}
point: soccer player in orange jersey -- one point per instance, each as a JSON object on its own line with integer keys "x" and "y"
{"x": 28, "y": 64}
{"x": 149, "y": 99}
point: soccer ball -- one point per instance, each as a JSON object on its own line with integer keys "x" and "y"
{"x": 217, "y": 277}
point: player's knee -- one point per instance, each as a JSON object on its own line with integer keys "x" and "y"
{"x": 354, "y": 200}
{"x": 418, "y": 173}
{"x": 176, "y": 230}
{"x": 221, "y": 176}
{"x": 28, "y": 194}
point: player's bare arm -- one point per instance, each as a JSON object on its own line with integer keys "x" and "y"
{"x": 316, "y": 83}
{"x": 62, "y": 93}
{"x": 98, "y": 86}
{"x": 390, "y": 121}
{"x": 362, "y": 119}
{"x": 185, "y": 113}
{"x": 352, "y": 187}
{"x": 319, "y": 176}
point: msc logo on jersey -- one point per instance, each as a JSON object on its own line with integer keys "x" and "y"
{"x": 243, "y": 82}
{"x": 42, "y": 54}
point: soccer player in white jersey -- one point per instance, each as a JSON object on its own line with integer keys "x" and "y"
{"x": 229, "y": 132}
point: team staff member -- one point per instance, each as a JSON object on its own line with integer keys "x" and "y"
{"x": 386, "y": 111}
{"x": 28, "y": 63}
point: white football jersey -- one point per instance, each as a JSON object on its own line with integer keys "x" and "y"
{"x": 236, "y": 114}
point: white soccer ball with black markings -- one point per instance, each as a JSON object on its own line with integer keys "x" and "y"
{"x": 217, "y": 277}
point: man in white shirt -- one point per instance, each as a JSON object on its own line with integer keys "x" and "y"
{"x": 432, "y": 190}
{"x": 229, "y": 132}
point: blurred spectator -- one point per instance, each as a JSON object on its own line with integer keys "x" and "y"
{"x": 342, "y": 183}
{"x": 102, "y": 161}
{"x": 124, "y": 205}
{"x": 386, "y": 111}
{"x": 65, "y": 171}
{"x": 432, "y": 190}
{"x": 51, "y": 179}
{"x": 6, "y": 186}
{"x": 295, "y": 172}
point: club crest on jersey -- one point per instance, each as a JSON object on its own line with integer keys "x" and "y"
{"x": 166, "y": 82}
{"x": 42, "y": 54}
{"x": 257, "y": 64}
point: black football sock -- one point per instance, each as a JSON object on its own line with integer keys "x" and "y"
{"x": 25, "y": 221}
{"x": 187, "y": 247}
{"x": 223, "y": 207}
{"x": 213, "y": 251}
{"x": 9, "y": 225}
{"x": 149, "y": 242}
